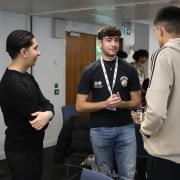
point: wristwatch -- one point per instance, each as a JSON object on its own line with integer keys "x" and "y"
{"x": 51, "y": 114}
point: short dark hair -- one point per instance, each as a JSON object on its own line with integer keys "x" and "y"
{"x": 17, "y": 40}
{"x": 108, "y": 30}
{"x": 140, "y": 53}
{"x": 169, "y": 17}
{"x": 122, "y": 54}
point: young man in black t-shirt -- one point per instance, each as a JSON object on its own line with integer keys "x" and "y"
{"x": 115, "y": 90}
{"x": 26, "y": 111}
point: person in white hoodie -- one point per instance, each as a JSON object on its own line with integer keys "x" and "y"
{"x": 161, "y": 126}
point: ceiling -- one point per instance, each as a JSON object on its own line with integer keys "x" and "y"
{"x": 90, "y": 11}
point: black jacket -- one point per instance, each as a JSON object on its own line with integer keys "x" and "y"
{"x": 74, "y": 137}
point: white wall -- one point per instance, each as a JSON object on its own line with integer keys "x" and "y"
{"x": 141, "y": 36}
{"x": 8, "y": 22}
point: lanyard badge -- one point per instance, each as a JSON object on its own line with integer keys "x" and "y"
{"x": 110, "y": 89}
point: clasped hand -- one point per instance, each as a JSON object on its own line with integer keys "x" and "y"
{"x": 113, "y": 101}
{"x": 42, "y": 118}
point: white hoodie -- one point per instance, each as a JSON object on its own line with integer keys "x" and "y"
{"x": 162, "y": 118}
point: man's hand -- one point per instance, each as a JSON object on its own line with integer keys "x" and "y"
{"x": 42, "y": 118}
{"x": 113, "y": 101}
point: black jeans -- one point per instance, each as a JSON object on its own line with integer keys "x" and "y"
{"x": 162, "y": 169}
{"x": 25, "y": 166}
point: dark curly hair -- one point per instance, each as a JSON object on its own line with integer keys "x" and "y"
{"x": 140, "y": 53}
{"x": 108, "y": 31}
{"x": 122, "y": 54}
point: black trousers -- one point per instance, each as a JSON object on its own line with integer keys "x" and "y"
{"x": 25, "y": 166}
{"x": 162, "y": 169}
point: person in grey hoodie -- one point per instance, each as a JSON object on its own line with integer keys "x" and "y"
{"x": 161, "y": 126}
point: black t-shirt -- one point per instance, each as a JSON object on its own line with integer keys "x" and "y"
{"x": 93, "y": 81}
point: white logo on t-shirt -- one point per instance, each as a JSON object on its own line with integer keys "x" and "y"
{"x": 124, "y": 81}
{"x": 97, "y": 84}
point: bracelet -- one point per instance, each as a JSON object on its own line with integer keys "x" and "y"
{"x": 51, "y": 114}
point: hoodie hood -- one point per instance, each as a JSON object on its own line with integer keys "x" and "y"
{"x": 174, "y": 43}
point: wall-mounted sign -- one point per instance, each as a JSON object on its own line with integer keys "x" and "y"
{"x": 126, "y": 28}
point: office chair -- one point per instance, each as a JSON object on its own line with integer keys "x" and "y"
{"x": 88, "y": 174}
{"x": 68, "y": 112}
{"x": 74, "y": 123}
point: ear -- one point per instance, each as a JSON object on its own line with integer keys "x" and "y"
{"x": 23, "y": 52}
{"x": 161, "y": 31}
{"x": 100, "y": 43}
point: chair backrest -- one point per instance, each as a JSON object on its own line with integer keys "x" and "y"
{"x": 92, "y": 175}
{"x": 69, "y": 111}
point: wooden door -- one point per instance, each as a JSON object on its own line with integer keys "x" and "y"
{"x": 80, "y": 51}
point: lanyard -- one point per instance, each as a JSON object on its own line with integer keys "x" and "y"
{"x": 106, "y": 77}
